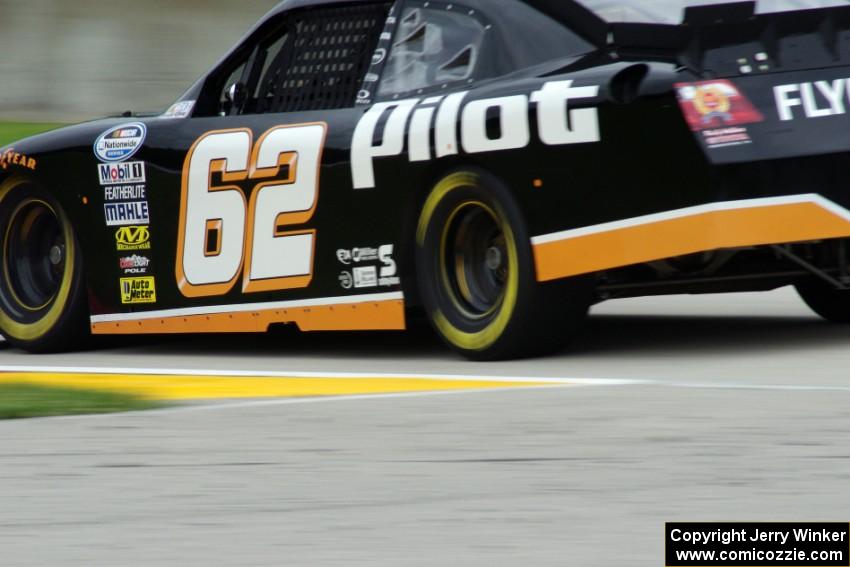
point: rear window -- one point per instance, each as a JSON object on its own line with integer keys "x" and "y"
{"x": 672, "y": 11}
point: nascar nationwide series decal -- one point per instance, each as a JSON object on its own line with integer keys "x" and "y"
{"x": 120, "y": 143}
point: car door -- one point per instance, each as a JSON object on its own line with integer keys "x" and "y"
{"x": 265, "y": 207}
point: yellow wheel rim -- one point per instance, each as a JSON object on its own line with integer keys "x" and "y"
{"x": 501, "y": 313}
{"x": 57, "y": 303}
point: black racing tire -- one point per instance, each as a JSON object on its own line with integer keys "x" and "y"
{"x": 830, "y": 303}
{"x": 477, "y": 278}
{"x": 43, "y": 305}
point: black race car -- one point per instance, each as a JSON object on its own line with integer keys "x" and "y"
{"x": 500, "y": 164}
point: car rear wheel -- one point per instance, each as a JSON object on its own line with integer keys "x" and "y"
{"x": 476, "y": 274}
{"x": 42, "y": 295}
{"x": 830, "y": 303}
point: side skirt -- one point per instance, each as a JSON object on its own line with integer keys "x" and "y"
{"x": 379, "y": 312}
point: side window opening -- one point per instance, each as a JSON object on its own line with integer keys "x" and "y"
{"x": 440, "y": 44}
{"x": 460, "y": 66}
{"x": 434, "y": 44}
{"x": 315, "y": 59}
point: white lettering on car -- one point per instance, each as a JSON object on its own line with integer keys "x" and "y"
{"x": 558, "y": 124}
{"x": 817, "y": 100}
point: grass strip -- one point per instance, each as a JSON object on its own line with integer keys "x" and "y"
{"x": 21, "y": 401}
{"x": 13, "y": 131}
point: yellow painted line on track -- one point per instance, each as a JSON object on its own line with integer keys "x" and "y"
{"x": 183, "y": 387}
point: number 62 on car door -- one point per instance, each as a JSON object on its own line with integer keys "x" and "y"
{"x": 223, "y": 235}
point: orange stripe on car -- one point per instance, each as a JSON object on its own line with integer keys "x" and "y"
{"x": 379, "y": 315}
{"x": 733, "y": 224}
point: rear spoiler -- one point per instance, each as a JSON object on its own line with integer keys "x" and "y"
{"x": 579, "y": 18}
{"x": 701, "y": 41}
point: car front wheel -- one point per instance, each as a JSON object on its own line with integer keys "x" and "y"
{"x": 42, "y": 294}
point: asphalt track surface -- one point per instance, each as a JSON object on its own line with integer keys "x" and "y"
{"x": 669, "y": 409}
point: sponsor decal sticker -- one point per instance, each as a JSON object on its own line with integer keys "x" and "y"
{"x": 182, "y": 109}
{"x": 120, "y": 143}
{"x": 381, "y": 53}
{"x": 134, "y": 265}
{"x": 344, "y": 257}
{"x": 10, "y": 157}
{"x": 389, "y": 270}
{"x": 383, "y": 275}
{"x": 719, "y": 111}
{"x": 133, "y": 238}
{"x": 127, "y": 213}
{"x": 357, "y": 255}
{"x": 366, "y": 276}
{"x": 566, "y": 114}
{"x": 812, "y": 100}
{"x": 138, "y": 290}
{"x": 346, "y": 280}
{"x": 125, "y": 193}
{"x": 120, "y": 173}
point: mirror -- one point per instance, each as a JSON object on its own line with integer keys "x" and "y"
{"x": 234, "y": 99}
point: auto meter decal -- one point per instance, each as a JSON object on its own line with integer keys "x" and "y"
{"x": 120, "y": 143}
{"x": 719, "y": 111}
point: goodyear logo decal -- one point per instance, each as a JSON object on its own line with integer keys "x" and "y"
{"x": 11, "y": 157}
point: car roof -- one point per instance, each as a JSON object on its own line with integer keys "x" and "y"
{"x": 581, "y": 19}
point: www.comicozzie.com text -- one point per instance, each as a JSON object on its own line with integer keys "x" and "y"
{"x": 783, "y": 536}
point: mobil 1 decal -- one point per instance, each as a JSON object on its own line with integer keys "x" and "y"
{"x": 125, "y": 200}
{"x": 770, "y": 115}
{"x": 246, "y": 211}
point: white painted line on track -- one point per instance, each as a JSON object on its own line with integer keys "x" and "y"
{"x": 547, "y": 383}
{"x": 334, "y": 375}
{"x": 564, "y": 385}
{"x": 213, "y": 406}
{"x": 600, "y": 382}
